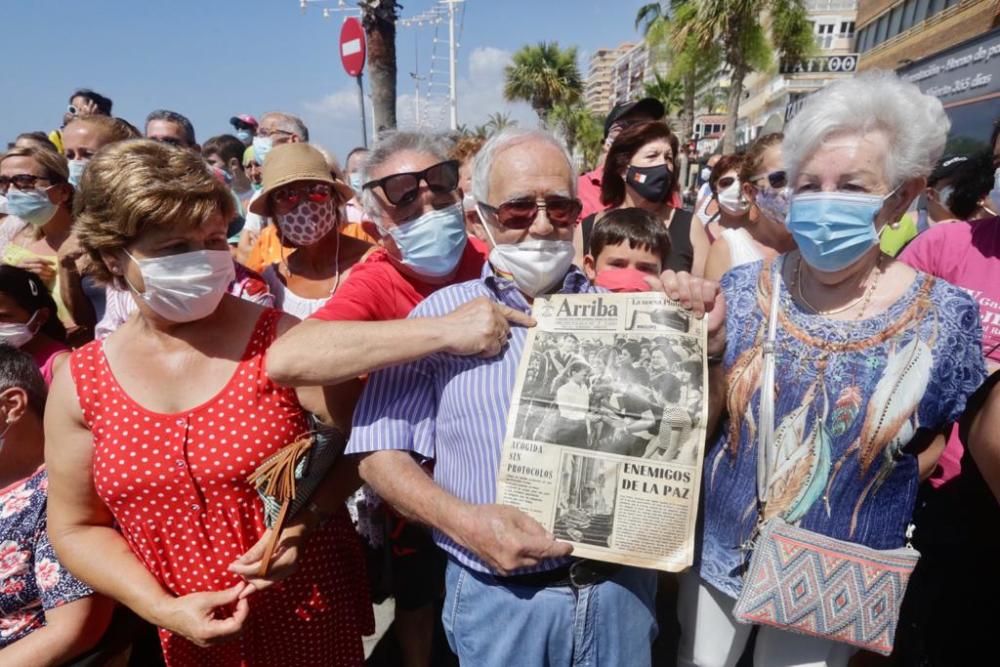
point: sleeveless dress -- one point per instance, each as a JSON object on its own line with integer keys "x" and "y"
{"x": 176, "y": 485}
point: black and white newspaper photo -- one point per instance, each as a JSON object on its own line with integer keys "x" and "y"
{"x": 606, "y": 432}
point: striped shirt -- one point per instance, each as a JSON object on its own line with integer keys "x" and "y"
{"x": 453, "y": 409}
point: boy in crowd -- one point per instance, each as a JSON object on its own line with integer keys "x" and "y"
{"x": 627, "y": 245}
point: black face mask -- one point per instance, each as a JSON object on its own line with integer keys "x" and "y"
{"x": 652, "y": 183}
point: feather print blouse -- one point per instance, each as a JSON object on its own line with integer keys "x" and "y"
{"x": 850, "y": 395}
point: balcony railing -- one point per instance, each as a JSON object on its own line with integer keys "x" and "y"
{"x": 830, "y": 5}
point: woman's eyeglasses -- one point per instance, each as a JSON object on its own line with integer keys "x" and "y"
{"x": 287, "y": 198}
{"x": 725, "y": 182}
{"x": 21, "y": 182}
{"x": 521, "y": 213}
{"x": 402, "y": 189}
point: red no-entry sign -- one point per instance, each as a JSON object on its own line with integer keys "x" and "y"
{"x": 352, "y": 46}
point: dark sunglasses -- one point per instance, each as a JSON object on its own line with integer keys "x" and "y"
{"x": 521, "y": 213}
{"x": 173, "y": 141}
{"x": 776, "y": 179}
{"x": 402, "y": 189}
{"x": 725, "y": 182}
{"x": 21, "y": 181}
{"x": 285, "y": 199}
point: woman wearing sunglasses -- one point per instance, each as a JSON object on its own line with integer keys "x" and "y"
{"x": 763, "y": 188}
{"x": 36, "y": 234}
{"x": 733, "y": 208}
{"x": 306, "y": 202}
{"x": 153, "y": 432}
{"x": 640, "y": 171}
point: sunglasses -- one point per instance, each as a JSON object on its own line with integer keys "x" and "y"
{"x": 725, "y": 182}
{"x": 402, "y": 189}
{"x": 521, "y": 213}
{"x": 173, "y": 141}
{"x": 776, "y": 179}
{"x": 287, "y": 198}
{"x": 21, "y": 182}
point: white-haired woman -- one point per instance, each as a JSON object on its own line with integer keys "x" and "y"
{"x": 873, "y": 360}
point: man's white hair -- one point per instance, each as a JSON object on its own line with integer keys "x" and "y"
{"x": 390, "y": 143}
{"x": 288, "y": 123}
{"x": 914, "y": 124}
{"x": 508, "y": 138}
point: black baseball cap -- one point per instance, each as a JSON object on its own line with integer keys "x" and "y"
{"x": 647, "y": 105}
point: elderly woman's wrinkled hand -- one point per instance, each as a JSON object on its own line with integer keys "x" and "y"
{"x": 702, "y": 297}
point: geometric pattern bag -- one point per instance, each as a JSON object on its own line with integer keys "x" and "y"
{"x": 804, "y": 582}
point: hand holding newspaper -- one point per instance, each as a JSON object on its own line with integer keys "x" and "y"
{"x": 606, "y": 433}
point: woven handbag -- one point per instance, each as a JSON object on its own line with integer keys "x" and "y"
{"x": 805, "y": 582}
{"x": 287, "y": 479}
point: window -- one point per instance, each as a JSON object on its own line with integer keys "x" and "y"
{"x": 909, "y": 12}
{"x": 861, "y": 39}
{"x": 846, "y": 29}
{"x": 920, "y": 14}
{"x": 936, "y": 6}
{"x": 824, "y": 35}
{"x": 881, "y": 27}
{"x": 895, "y": 21}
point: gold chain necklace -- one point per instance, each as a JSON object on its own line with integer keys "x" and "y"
{"x": 864, "y": 299}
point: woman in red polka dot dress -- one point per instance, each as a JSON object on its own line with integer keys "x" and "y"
{"x": 151, "y": 435}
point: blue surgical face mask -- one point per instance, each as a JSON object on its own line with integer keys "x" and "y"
{"x": 76, "y": 172}
{"x": 32, "y": 206}
{"x": 261, "y": 147}
{"x": 833, "y": 230}
{"x": 355, "y": 180}
{"x": 246, "y": 136}
{"x": 432, "y": 245}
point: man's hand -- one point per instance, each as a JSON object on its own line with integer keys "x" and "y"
{"x": 481, "y": 327}
{"x": 506, "y": 538}
{"x": 195, "y": 616}
{"x": 701, "y": 297}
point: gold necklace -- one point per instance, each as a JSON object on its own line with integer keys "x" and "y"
{"x": 864, "y": 299}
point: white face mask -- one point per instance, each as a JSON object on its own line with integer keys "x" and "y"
{"x": 534, "y": 265}
{"x": 185, "y": 287}
{"x": 731, "y": 199}
{"x": 16, "y": 334}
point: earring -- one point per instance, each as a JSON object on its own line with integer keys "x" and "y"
{"x": 894, "y": 225}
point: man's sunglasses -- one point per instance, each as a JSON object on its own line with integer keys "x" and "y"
{"x": 776, "y": 179}
{"x": 21, "y": 182}
{"x": 521, "y": 213}
{"x": 173, "y": 141}
{"x": 402, "y": 189}
{"x": 287, "y": 198}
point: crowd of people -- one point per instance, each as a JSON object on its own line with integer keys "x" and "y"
{"x": 173, "y": 314}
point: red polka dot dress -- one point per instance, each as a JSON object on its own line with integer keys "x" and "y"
{"x": 176, "y": 485}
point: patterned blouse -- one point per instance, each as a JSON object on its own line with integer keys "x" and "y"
{"x": 31, "y": 579}
{"x": 850, "y": 396}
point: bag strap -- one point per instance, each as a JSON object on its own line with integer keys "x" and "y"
{"x": 765, "y": 430}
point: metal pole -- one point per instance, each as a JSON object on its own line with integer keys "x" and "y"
{"x": 451, "y": 64}
{"x": 361, "y": 101}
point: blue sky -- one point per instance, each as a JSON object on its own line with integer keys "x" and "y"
{"x": 210, "y": 59}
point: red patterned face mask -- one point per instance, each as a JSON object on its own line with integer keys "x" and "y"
{"x": 308, "y": 222}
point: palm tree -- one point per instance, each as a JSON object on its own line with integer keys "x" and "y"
{"x": 543, "y": 75}
{"x": 647, "y": 15}
{"x": 689, "y": 63}
{"x": 667, "y": 91}
{"x": 744, "y": 31}
{"x": 580, "y": 129}
{"x": 498, "y": 121}
{"x": 379, "y": 20}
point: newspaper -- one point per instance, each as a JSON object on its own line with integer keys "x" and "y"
{"x": 606, "y": 432}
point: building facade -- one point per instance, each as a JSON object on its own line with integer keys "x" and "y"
{"x": 771, "y": 98}
{"x": 630, "y": 74}
{"x": 894, "y": 33}
{"x": 599, "y": 90}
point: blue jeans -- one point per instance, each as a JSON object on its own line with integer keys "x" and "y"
{"x": 492, "y": 624}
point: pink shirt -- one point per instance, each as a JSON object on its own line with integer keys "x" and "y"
{"x": 966, "y": 254}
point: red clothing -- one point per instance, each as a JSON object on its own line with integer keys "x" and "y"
{"x": 376, "y": 291}
{"x": 176, "y": 485}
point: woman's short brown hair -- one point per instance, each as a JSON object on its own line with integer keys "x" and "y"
{"x": 754, "y": 159}
{"x": 52, "y": 163}
{"x": 626, "y": 145}
{"x": 131, "y": 186}
{"x": 112, "y": 129}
